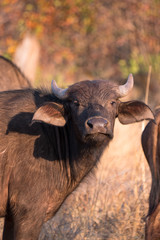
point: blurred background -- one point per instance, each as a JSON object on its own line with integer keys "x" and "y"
{"x": 73, "y": 40}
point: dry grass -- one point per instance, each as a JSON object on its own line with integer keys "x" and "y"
{"x": 112, "y": 203}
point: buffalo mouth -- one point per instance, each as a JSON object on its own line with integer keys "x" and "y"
{"x": 98, "y": 137}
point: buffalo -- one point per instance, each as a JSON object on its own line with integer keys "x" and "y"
{"x": 151, "y": 148}
{"x": 10, "y": 76}
{"x": 50, "y": 141}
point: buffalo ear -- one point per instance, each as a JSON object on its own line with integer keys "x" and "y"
{"x": 133, "y": 111}
{"x": 52, "y": 113}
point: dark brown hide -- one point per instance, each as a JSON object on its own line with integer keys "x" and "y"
{"x": 11, "y": 77}
{"x": 152, "y": 228}
{"x": 46, "y": 149}
{"x": 151, "y": 148}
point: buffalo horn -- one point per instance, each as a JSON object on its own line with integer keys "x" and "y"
{"x": 127, "y": 87}
{"x": 58, "y": 92}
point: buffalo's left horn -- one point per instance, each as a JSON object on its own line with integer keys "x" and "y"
{"x": 127, "y": 87}
{"x": 58, "y": 92}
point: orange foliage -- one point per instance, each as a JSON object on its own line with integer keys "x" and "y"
{"x": 91, "y": 35}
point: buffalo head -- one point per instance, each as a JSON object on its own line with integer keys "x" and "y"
{"x": 91, "y": 107}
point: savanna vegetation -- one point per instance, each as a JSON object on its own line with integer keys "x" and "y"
{"x": 89, "y": 38}
{"x": 86, "y": 40}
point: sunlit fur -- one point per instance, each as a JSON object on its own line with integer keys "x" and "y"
{"x": 41, "y": 164}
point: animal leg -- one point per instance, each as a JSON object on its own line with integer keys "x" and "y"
{"x": 8, "y": 231}
{"x": 152, "y": 229}
{"x": 27, "y": 227}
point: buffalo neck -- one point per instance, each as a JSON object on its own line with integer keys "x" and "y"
{"x": 72, "y": 158}
{"x": 82, "y": 155}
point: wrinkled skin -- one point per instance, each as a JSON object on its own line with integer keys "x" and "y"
{"x": 49, "y": 145}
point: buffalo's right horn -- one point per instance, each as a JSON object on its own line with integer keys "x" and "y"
{"x": 58, "y": 92}
{"x": 127, "y": 87}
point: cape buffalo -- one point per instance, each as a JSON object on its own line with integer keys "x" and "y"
{"x": 10, "y": 76}
{"x": 151, "y": 148}
{"x": 50, "y": 141}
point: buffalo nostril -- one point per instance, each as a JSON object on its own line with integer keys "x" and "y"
{"x": 90, "y": 124}
{"x": 105, "y": 123}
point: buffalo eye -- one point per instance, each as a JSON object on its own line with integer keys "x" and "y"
{"x": 76, "y": 103}
{"x": 113, "y": 103}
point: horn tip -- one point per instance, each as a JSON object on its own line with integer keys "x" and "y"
{"x": 131, "y": 80}
{"x": 58, "y": 92}
{"x": 53, "y": 83}
{"x": 130, "y": 77}
{"x": 131, "y": 74}
{"x": 127, "y": 87}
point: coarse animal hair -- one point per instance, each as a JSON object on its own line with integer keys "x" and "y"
{"x": 49, "y": 144}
